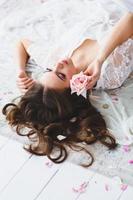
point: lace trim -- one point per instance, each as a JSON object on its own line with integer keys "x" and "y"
{"x": 117, "y": 67}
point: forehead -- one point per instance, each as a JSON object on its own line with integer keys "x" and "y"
{"x": 51, "y": 80}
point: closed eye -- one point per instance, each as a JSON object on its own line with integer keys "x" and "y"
{"x": 61, "y": 76}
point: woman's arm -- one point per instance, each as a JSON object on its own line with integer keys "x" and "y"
{"x": 120, "y": 33}
{"x": 22, "y": 54}
{"x": 23, "y": 81}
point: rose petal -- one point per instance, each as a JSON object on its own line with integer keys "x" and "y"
{"x": 124, "y": 187}
{"x": 78, "y": 84}
{"x": 75, "y": 190}
{"x": 107, "y": 187}
{"x": 126, "y": 148}
{"x": 49, "y": 164}
{"x": 130, "y": 161}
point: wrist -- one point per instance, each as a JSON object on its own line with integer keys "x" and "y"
{"x": 21, "y": 70}
{"x": 21, "y": 73}
{"x": 100, "y": 59}
{"x": 99, "y": 62}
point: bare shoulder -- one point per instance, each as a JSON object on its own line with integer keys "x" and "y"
{"x": 26, "y": 42}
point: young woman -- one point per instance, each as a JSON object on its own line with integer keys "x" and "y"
{"x": 55, "y": 116}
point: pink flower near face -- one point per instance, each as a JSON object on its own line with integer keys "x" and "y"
{"x": 78, "y": 84}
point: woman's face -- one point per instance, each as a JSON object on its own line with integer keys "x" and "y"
{"x": 59, "y": 77}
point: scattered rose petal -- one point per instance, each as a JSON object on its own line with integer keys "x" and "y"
{"x": 124, "y": 187}
{"x": 75, "y": 190}
{"x": 49, "y": 164}
{"x": 107, "y": 187}
{"x": 81, "y": 188}
{"x": 130, "y": 161}
{"x": 84, "y": 185}
{"x": 126, "y": 148}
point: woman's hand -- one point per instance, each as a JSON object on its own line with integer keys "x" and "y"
{"x": 24, "y": 82}
{"x": 93, "y": 71}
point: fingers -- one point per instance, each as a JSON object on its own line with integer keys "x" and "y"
{"x": 27, "y": 86}
{"x": 90, "y": 86}
{"x": 92, "y": 80}
{"x": 24, "y": 84}
{"x": 86, "y": 72}
{"x": 91, "y": 83}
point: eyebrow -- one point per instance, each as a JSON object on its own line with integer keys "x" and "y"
{"x": 50, "y": 70}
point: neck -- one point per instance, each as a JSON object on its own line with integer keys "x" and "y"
{"x": 84, "y": 55}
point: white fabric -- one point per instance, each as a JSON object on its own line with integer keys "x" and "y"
{"x": 126, "y": 4}
{"x": 116, "y": 106}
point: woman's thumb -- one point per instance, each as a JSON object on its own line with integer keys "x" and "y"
{"x": 86, "y": 72}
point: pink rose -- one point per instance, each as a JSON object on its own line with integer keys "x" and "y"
{"x": 78, "y": 84}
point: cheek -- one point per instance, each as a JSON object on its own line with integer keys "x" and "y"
{"x": 70, "y": 73}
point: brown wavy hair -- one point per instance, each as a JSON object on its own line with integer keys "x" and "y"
{"x": 56, "y": 120}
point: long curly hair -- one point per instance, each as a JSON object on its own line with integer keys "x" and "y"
{"x": 55, "y": 120}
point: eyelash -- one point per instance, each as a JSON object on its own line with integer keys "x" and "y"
{"x": 62, "y": 77}
{"x": 48, "y": 70}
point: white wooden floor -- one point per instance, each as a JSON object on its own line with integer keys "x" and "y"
{"x": 27, "y": 177}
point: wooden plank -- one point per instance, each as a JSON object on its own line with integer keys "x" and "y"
{"x": 3, "y": 141}
{"x": 127, "y": 194}
{"x": 102, "y": 187}
{"x": 12, "y": 157}
{"x": 23, "y": 176}
{"x": 66, "y": 183}
{"x": 30, "y": 180}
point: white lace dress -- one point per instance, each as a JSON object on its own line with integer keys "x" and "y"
{"x": 70, "y": 25}
{"x": 117, "y": 68}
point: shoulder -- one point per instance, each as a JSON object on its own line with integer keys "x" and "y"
{"x": 26, "y": 42}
